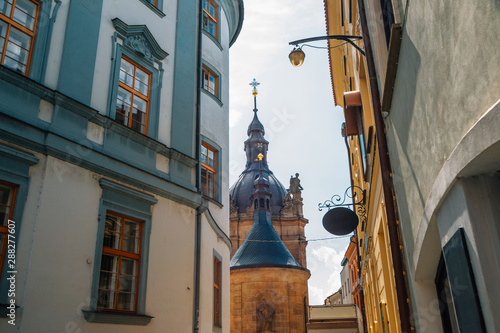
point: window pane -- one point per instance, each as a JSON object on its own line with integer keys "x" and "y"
{"x": 25, "y": 13}
{"x": 204, "y": 186}
{"x": 3, "y": 238}
{"x": 212, "y": 28}
{"x": 107, "y": 281}
{"x": 127, "y": 284}
{"x": 123, "y": 101}
{"x": 211, "y": 162}
{"x": 213, "y": 11}
{"x": 106, "y": 299}
{"x": 127, "y": 73}
{"x": 130, "y": 244}
{"x": 109, "y": 263}
{"x": 5, "y": 7}
{"x": 132, "y": 228}
{"x": 205, "y": 80}
{"x": 140, "y": 105}
{"x": 126, "y": 302}
{"x": 205, "y": 5}
{"x": 211, "y": 84}
{"x": 141, "y": 81}
{"x": 204, "y": 152}
{"x": 3, "y": 33}
{"x": 112, "y": 232}
{"x": 138, "y": 127}
{"x": 139, "y": 114}
{"x": 211, "y": 184}
{"x": 17, "y": 50}
{"x": 6, "y": 194}
{"x": 129, "y": 267}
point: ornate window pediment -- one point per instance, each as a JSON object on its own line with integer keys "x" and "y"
{"x": 139, "y": 39}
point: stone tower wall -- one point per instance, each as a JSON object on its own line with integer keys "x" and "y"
{"x": 268, "y": 299}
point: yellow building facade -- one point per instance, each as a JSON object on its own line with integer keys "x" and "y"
{"x": 351, "y": 91}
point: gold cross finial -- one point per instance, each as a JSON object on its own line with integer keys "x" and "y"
{"x": 254, "y": 84}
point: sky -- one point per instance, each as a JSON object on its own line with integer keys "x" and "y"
{"x": 302, "y": 124}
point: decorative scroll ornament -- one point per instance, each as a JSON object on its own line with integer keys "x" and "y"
{"x": 338, "y": 201}
{"x": 340, "y": 220}
{"x": 139, "y": 45}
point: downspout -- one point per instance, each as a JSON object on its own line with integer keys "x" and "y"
{"x": 361, "y": 294}
{"x": 201, "y": 208}
{"x": 52, "y": 20}
{"x": 387, "y": 185}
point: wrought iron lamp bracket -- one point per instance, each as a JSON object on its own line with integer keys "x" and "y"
{"x": 358, "y": 199}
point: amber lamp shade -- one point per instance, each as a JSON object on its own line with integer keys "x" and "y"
{"x": 297, "y": 57}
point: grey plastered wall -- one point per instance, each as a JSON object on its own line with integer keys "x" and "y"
{"x": 447, "y": 78}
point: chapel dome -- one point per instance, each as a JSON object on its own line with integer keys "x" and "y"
{"x": 242, "y": 190}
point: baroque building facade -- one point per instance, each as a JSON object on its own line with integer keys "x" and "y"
{"x": 268, "y": 267}
{"x": 431, "y": 81}
{"x": 114, "y": 164}
{"x": 370, "y": 252}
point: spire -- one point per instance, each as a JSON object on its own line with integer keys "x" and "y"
{"x": 256, "y": 143}
{"x": 254, "y": 84}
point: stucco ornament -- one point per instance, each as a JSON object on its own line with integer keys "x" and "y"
{"x": 232, "y": 202}
{"x": 139, "y": 45}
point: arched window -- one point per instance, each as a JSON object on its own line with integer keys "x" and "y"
{"x": 261, "y": 203}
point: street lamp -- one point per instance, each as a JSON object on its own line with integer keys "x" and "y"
{"x": 297, "y": 56}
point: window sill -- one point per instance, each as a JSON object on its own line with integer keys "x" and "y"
{"x": 116, "y": 318}
{"x": 215, "y": 40}
{"x": 153, "y": 8}
{"x": 215, "y": 98}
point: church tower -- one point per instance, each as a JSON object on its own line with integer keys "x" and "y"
{"x": 285, "y": 204}
{"x": 268, "y": 267}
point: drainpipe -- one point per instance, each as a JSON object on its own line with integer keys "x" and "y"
{"x": 201, "y": 208}
{"x": 387, "y": 185}
{"x": 356, "y": 241}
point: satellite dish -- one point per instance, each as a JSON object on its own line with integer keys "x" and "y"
{"x": 340, "y": 221}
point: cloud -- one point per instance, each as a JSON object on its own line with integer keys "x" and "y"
{"x": 324, "y": 261}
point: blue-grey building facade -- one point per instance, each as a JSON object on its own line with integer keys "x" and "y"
{"x": 114, "y": 164}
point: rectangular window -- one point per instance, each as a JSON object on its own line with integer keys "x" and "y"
{"x": 387, "y": 17}
{"x": 120, "y": 263}
{"x": 210, "y": 17}
{"x": 7, "y": 201}
{"x": 217, "y": 292}
{"x": 132, "y": 100}
{"x": 17, "y": 33}
{"x": 209, "y": 81}
{"x": 208, "y": 170}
